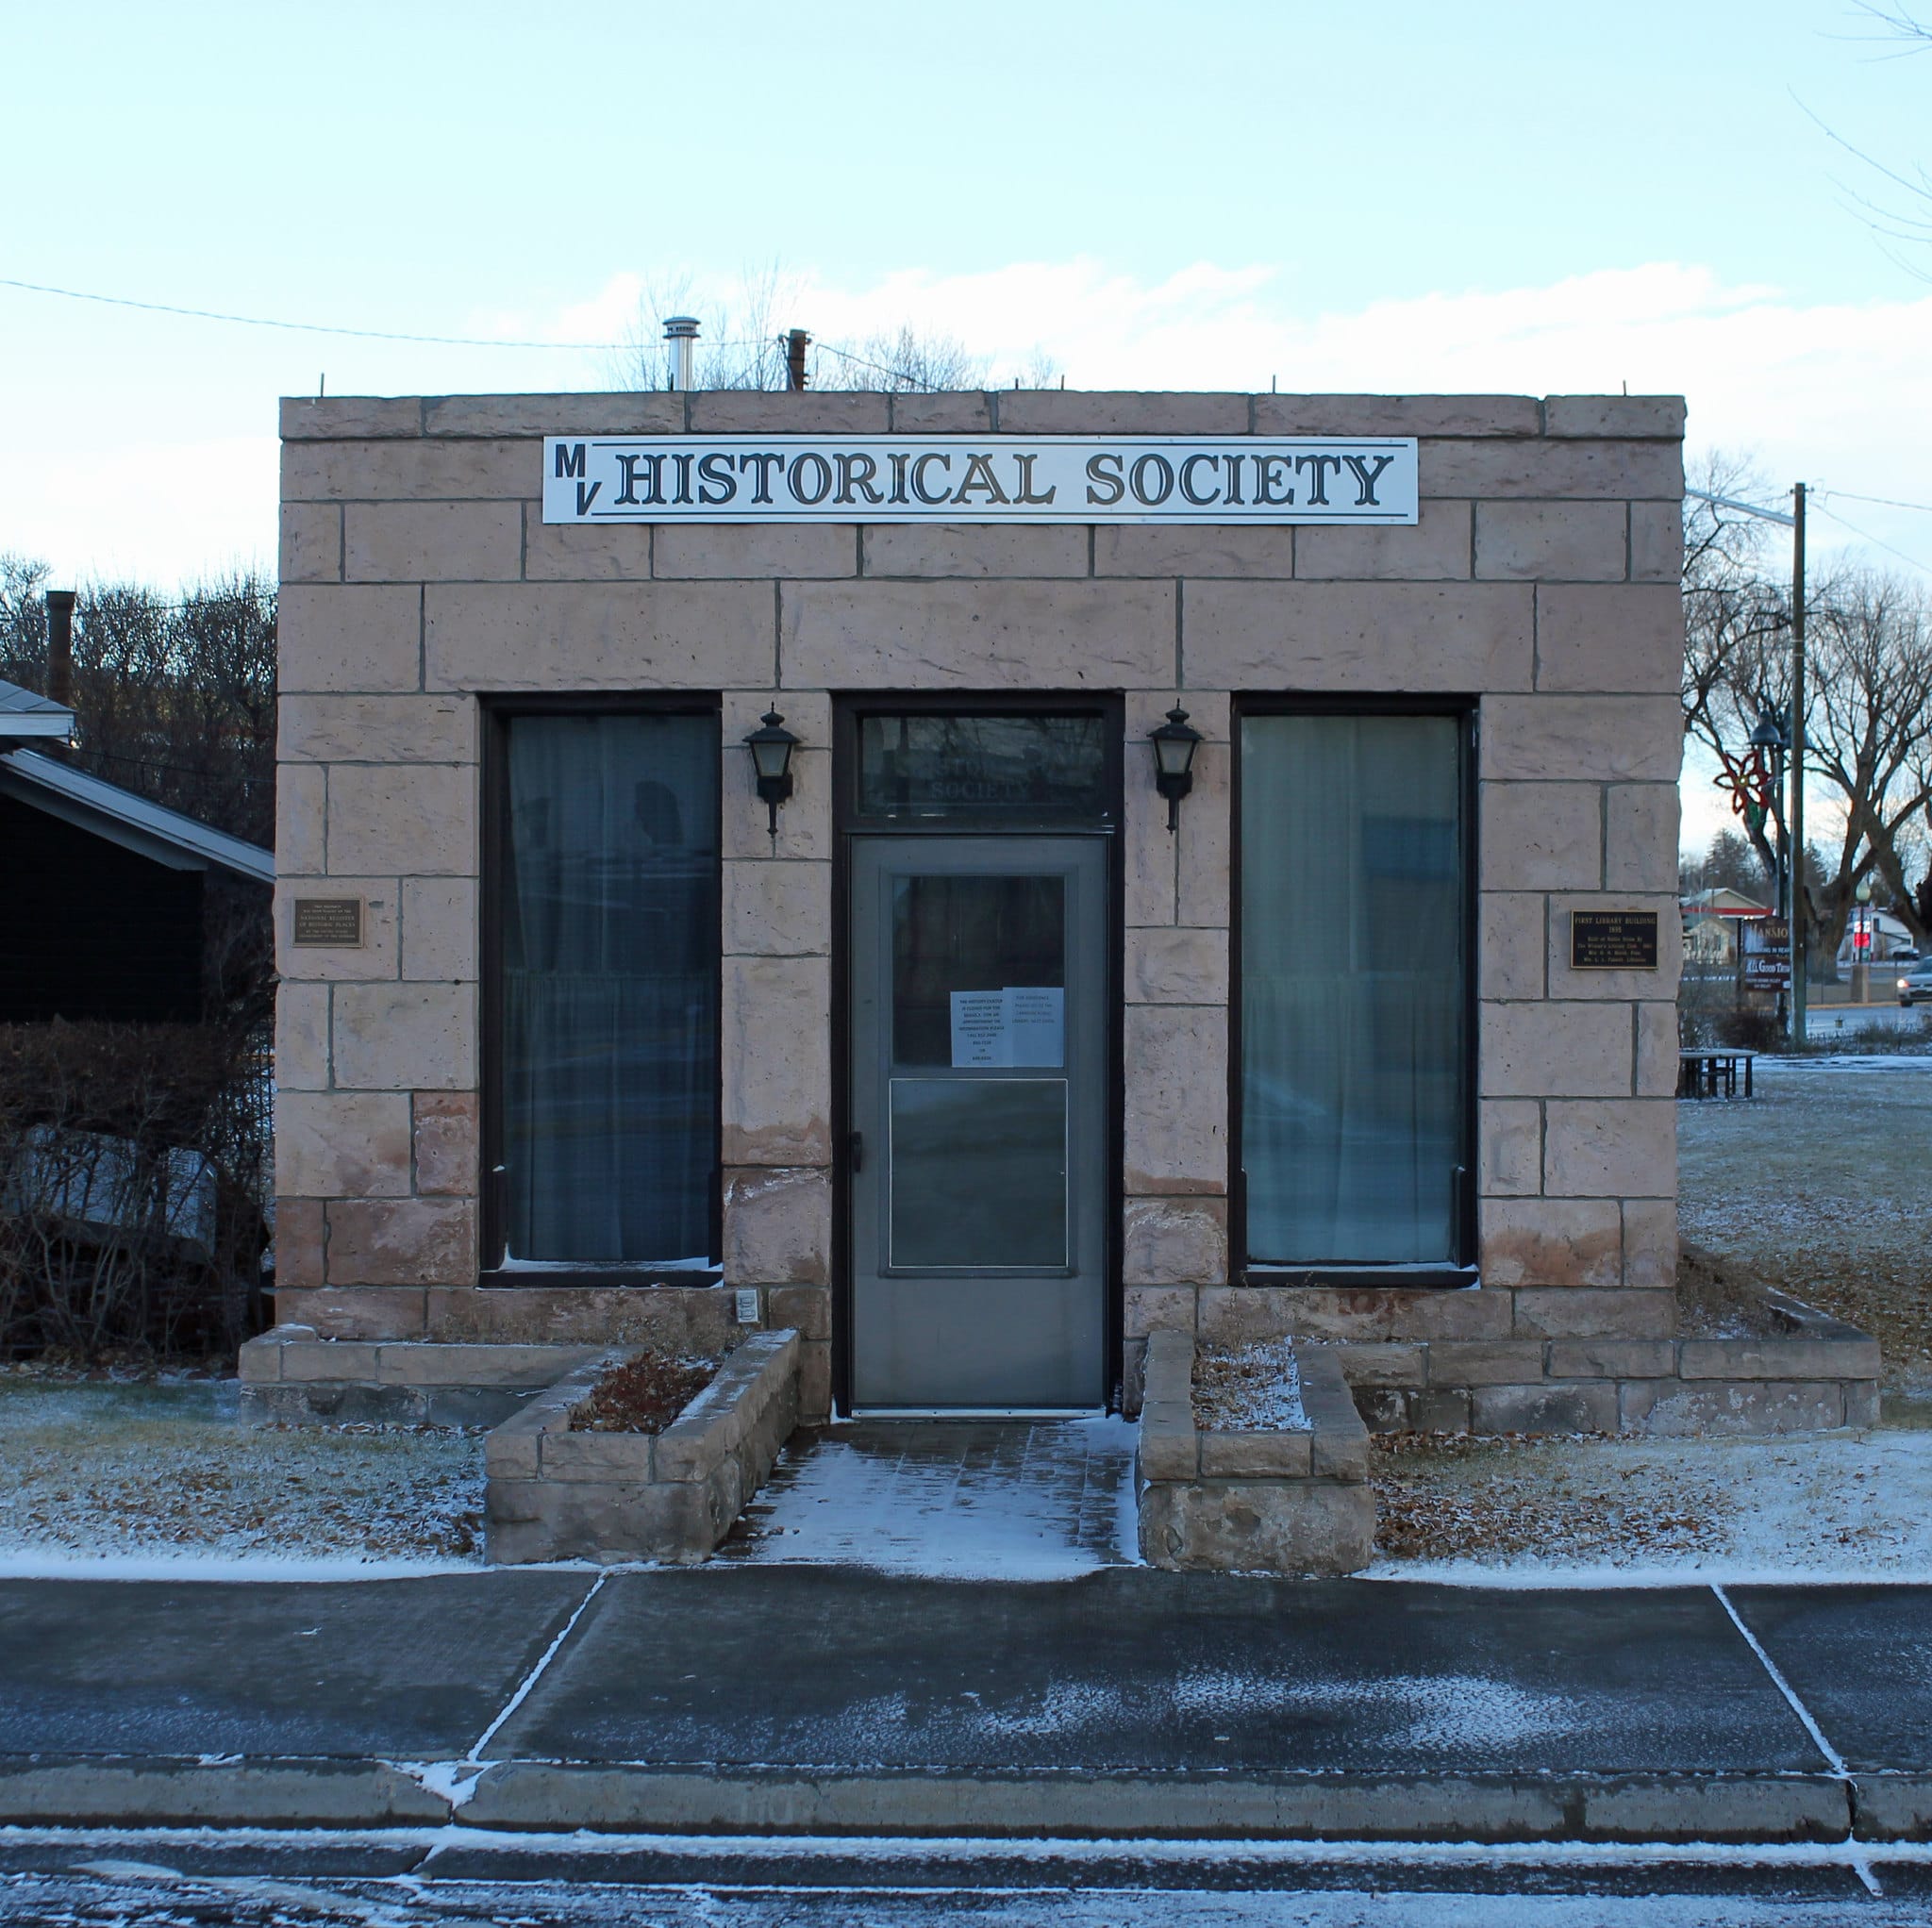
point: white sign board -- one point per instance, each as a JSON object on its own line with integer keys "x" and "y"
{"x": 808, "y": 478}
{"x": 1022, "y": 1025}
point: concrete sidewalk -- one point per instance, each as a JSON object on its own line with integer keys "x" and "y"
{"x": 1126, "y": 1703}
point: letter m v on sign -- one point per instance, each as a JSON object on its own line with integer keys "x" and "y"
{"x": 570, "y": 460}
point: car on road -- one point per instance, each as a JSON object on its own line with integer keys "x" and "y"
{"x": 1915, "y": 984}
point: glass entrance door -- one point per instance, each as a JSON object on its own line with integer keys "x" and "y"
{"x": 978, "y": 1116}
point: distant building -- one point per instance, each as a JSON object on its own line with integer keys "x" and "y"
{"x": 1713, "y": 923}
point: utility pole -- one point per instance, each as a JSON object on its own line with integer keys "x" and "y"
{"x": 795, "y": 340}
{"x": 1798, "y": 766}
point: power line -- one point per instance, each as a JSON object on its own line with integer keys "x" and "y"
{"x": 1883, "y": 501}
{"x": 1864, "y": 537}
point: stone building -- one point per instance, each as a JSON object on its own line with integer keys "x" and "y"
{"x": 976, "y": 1057}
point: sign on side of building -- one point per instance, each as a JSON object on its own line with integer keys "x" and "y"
{"x": 794, "y": 479}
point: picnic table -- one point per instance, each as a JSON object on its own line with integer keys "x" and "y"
{"x": 1707, "y": 1070}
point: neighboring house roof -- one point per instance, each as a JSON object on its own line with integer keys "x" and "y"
{"x": 107, "y": 810}
{"x": 25, "y": 713}
{"x": 1721, "y": 901}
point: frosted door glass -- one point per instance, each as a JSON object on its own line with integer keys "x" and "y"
{"x": 979, "y": 1172}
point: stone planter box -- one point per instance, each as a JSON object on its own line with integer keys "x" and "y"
{"x": 555, "y": 1494}
{"x": 1291, "y": 1502}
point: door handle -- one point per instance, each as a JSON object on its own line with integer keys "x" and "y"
{"x": 855, "y": 1149}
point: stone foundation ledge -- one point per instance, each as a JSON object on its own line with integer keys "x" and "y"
{"x": 555, "y": 1494}
{"x": 293, "y": 1375}
{"x": 1289, "y": 1503}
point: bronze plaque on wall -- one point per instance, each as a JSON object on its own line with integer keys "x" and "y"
{"x": 1613, "y": 940}
{"x": 329, "y": 923}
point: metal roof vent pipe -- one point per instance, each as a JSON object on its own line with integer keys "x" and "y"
{"x": 61, "y": 647}
{"x": 681, "y": 331}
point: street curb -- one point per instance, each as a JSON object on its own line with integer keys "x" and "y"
{"x": 191, "y": 1791}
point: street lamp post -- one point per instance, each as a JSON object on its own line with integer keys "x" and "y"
{"x": 1861, "y": 944}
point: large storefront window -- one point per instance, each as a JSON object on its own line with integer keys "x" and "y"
{"x": 609, "y": 986}
{"x": 1354, "y": 1055}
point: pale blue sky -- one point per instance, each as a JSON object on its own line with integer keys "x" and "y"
{"x": 1404, "y": 196}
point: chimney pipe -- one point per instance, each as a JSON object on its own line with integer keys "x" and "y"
{"x": 795, "y": 340}
{"x": 681, "y": 331}
{"x": 61, "y": 647}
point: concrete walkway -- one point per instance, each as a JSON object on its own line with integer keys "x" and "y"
{"x": 1124, "y": 1703}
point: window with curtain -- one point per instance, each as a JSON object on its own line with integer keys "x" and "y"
{"x": 609, "y": 988}
{"x": 1354, "y": 1049}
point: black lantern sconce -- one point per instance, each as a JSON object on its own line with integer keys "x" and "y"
{"x": 770, "y": 757}
{"x": 1175, "y": 743}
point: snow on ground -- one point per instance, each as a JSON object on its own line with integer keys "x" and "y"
{"x": 1249, "y": 1388}
{"x": 140, "y": 1478}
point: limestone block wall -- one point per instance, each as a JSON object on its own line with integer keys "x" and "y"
{"x": 1540, "y": 582}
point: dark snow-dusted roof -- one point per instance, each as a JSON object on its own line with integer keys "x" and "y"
{"x": 26, "y": 713}
{"x": 92, "y": 803}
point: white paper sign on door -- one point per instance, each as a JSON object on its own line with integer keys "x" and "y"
{"x": 1024, "y": 1025}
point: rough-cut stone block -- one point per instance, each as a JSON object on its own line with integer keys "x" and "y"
{"x": 403, "y": 820}
{"x": 446, "y": 1143}
{"x": 1550, "y": 1241}
{"x": 1335, "y": 1455}
{"x": 946, "y": 635}
{"x": 805, "y": 1309}
{"x": 585, "y": 552}
{"x": 1641, "y": 835}
{"x": 1176, "y": 1099}
{"x": 1613, "y": 1149}
{"x": 1628, "y": 637}
{"x": 1677, "y": 1408}
{"x": 1358, "y": 637}
{"x": 1510, "y": 1148}
{"x": 349, "y": 635}
{"x": 1384, "y": 1408}
{"x": 301, "y": 820}
{"x": 600, "y": 636}
{"x": 301, "y": 1037}
{"x": 777, "y": 909}
{"x": 631, "y": 411}
{"x": 1120, "y": 411}
{"x": 814, "y": 1383}
{"x": 1168, "y": 1448}
{"x": 1656, "y": 542}
{"x": 1183, "y": 549}
{"x": 259, "y": 1361}
{"x": 1564, "y": 982}
{"x": 342, "y": 1144}
{"x": 1157, "y": 1309}
{"x": 1543, "y": 467}
{"x": 1228, "y": 1315}
{"x": 404, "y": 1242}
{"x": 777, "y": 1226}
{"x": 1204, "y": 873}
{"x": 1861, "y": 1404}
{"x": 374, "y": 958}
{"x": 1511, "y": 943}
{"x": 1573, "y": 739}
{"x": 815, "y": 411}
{"x": 1653, "y": 417}
{"x": 678, "y": 1319}
{"x": 1397, "y": 415}
{"x": 1579, "y": 1312}
{"x": 1431, "y": 1410}
{"x": 1610, "y": 1358}
{"x": 433, "y": 541}
{"x": 1541, "y": 837}
{"x": 391, "y": 1036}
{"x": 1178, "y": 1241}
{"x": 336, "y": 418}
{"x": 1436, "y": 547}
{"x": 324, "y": 728}
{"x": 1493, "y": 1362}
{"x": 412, "y": 471}
{"x": 718, "y": 552}
{"x": 1170, "y": 965}
{"x": 440, "y": 939}
{"x": 300, "y": 1234}
{"x": 970, "y": 549}
{"x": 1152, "y": 854}
{"x": 1586, "y": 1406}
{"x": 1563, "y": 542}
{"x": 1259, "y": 1527}
{"x": 359, "y": 1312}
{"x": 1546, "y": 1049}
{"x": 1650, "y": 1242}
{"x": 1387, "y": 1363}
{"x": 960, "y": 411}
{"x": 615, "y": 1456}
{"x": 311, "y": 542}
{"x": 1782, "y": 1356}
{"x": 329, "y": 1358}
{"x": 1656, "y": 1050}
{"x": 776, "y": 1096}
{"x": 1255, "y": 1455}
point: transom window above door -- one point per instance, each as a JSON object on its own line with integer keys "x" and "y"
{"x": 988, "y": 769}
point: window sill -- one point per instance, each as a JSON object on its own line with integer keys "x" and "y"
{"x": 1366, "y": 1278}
{"x": 637, "y": 1277}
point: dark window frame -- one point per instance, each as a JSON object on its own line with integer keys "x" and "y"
{"x": 496, "y": 712}
{"x": 1461, "y": 1273}
{"x": 846, "y": 824}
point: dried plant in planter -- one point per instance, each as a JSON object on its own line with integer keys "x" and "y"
{"x": 642, "y": 1395}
